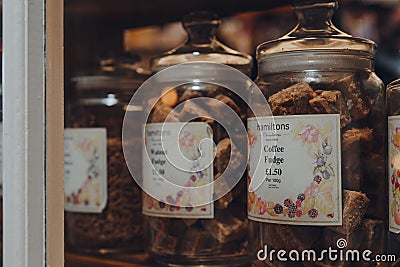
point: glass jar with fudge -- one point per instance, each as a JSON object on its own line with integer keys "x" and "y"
{"x": 201, "y": 220}
{"x": 317, "y": 158}
{"x": 393, "y": 111}
{"x": 102, "y": 200}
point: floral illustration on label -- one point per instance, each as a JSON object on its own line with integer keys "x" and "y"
{"x": 252, "y": 138}
{"x": 394, "y": 173}
{"x": 89, "y": 192}
{"x": 85, "y": 178}
{"x": 314, "y": 191}
{"x": 184, "y": 202}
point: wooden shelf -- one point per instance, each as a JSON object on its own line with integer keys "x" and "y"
{"x": 120, "y": 260}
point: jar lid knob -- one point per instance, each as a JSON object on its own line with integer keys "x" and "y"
{"x": 315, "y": 18}
{"x": 201, "y": 26}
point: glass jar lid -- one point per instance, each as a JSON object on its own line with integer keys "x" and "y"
{"x": 116, "y": 71}
{"x": 114, "y": 81}
{"x": 315, "y": 33}
{"x": 202, "y": 45}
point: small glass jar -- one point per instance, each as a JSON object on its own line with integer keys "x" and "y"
{"x": 180, "y": 233}
{"x": 321, "y": 180}
{"x": 102, "y": 200}
{"x": 393, "y": 110}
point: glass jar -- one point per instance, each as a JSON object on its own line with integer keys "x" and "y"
{"x": 102, "y": 201}
{"x": 179, "y": 231}
{"x": 393, "y": 110}
{"x": 320, "y": 182}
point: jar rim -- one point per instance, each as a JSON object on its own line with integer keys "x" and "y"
{"x": 393, "y": 84}
{"x": 300, "y": 61}
{"x": 333, "y": 44}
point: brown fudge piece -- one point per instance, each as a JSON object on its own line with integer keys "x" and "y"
{"x": 356, "y": 137}
{"x": 354, "y": 239}
{"x": 214, "y": 90}
{"x": 236, "y": 208}
{"x": 223, "y": 155}
{"x": 220, "y": 187}
{"x": 374, "y": 185}
{"x": 218, "y": 106}
{"x": 188, "y": 94}
{"x": 377, "y": 208}
{"x": 331, "y": 102}
{"x": 175, "y": 227}
{"x": 226, "y": 228}
{"x": 192, "y": 110}
{"x": 288, "y": 237}
{"x": 373, "y": 235}
{"x": 354, "y": 207}
{"x": 298, "y": 237}
{"x": 228, "y": 101}
{"x": 223, "y": 191}
{"x": 197, "y": 242}
{"x": 394, "y": 102}
{"x": 160, "y": 113}
{"x": 240, "y": 187}
{"x": 352, "y": 176}
{"x": 189, "y": 222}
{"x": 354, "y": 142}
{"x": 357, "y": 103}
{"x": 308, "y": 236}
{"x": 156, "y": 224}
{"x": 219, "y": 132}
{"x": 165, "y": 243}
{"x": 292, "y": 100}
{"x": 223, "y": 202}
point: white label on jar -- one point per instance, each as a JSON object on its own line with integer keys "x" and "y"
{"x": 85, "y": 170}
{"x": 176, "y": 164}
{"x": 294, "y": 170}
{"x": 394, "y": 173}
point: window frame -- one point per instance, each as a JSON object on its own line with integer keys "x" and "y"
{"x": 33, "y": 192}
